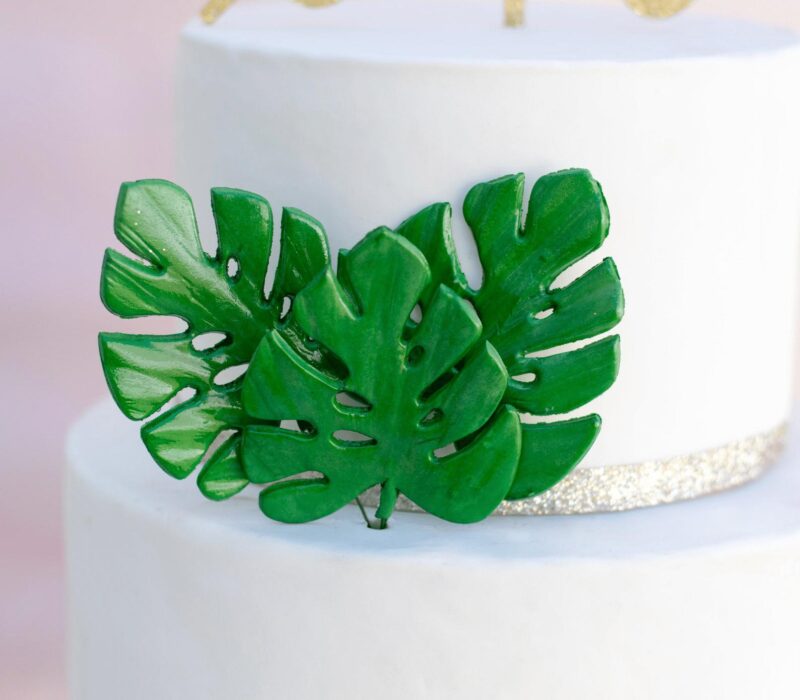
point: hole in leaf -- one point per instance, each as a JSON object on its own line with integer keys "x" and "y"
{"x": 298, "y": 426}
{"x": 439, "y": 384}
{"x": 445, "y": 451}
{"x": 184, "y": 395}
{"x": 544, "y": 313}
{"x": 208, "y": 341}
{"x": 527, "y": 378}
{"x": 433, "y": 416}
{"x": 416, "y": 314}
{"x": 302, "y": 476}
{"x": 349, "y": 438}
{"x": 471, "y": 304}
{"x": 306, "y": 428}
{"x": 230, "y": 374}
{"x": 415, "y": 355}
{"x": 232, "y": 268}
{"x": 286, "y": 307}
{"x": 348, "y": 399}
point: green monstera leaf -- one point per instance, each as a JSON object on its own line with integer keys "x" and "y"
{"x": 416, "y": 413}
{"x": 221, "y": 295}
{"x": 525, "y": 316}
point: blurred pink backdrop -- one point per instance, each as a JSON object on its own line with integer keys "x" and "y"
{"x": 85, "y": 103}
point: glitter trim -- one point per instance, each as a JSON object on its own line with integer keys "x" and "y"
{"x": 628, "y": 486}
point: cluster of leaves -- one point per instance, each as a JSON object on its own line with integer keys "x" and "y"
{"x": 413, "y": 381}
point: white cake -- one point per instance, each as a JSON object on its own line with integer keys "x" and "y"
{"x": 175, "y": 597}
{"x": 362, "y": 114}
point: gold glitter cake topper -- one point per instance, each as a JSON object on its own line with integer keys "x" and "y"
{"x": 658, "y": 9}
{"x": 514, "y": 9}
{"x": 213, "y": 9}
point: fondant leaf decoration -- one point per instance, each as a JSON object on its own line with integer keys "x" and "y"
{"x": 525, "y": 316}
{"x": 222, "y": 295}
{"x": 411, "y": 390}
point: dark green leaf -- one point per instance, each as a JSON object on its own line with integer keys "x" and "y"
{"x": 220, "y": 294}
{"x": 361, "y": 318}
{"x": 524, "y": 314}
{"x": 549, "y": 453}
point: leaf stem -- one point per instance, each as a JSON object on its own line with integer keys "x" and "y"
{"x": 387, "y": 503}
{"x": 380, "y": 524}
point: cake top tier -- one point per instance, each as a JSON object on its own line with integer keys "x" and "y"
{"x": 471, "y": 30}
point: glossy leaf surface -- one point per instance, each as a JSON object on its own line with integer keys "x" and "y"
{"x": 410, "y": 390}
{"x": 221, "y": 298}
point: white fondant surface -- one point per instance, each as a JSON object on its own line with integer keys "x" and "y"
{"x": 366, "y": 112}
{"x": 175, "y": 597}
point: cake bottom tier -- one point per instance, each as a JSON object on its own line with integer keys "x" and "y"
{"x": 175, "y": 597}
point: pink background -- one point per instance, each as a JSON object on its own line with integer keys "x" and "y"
{"x": 85, "y": 103}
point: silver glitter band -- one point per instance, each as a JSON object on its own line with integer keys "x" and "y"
{"x": 628, "y": 486}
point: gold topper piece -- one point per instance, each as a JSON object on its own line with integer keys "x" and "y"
{"x": 515, "y": 13}
{"x": 514, "y": 9}
{"x": 658, "y": 9}
{"x": 213, "y": 9}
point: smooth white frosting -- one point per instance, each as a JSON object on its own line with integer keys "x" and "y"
{"x": 173, "y": 596}
{"x": 364, "y": 113}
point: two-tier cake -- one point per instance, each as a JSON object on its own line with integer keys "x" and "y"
{"x": 362, "y": 115}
